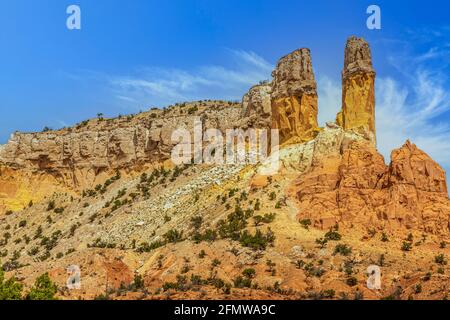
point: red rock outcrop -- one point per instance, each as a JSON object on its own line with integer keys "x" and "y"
{"x": 294, "y": 97}
{"x": 356, "y": 187}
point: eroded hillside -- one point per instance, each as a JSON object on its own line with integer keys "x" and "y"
{"x": 104, "y": 196}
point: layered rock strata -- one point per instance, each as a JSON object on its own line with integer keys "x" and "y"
{"x": 352, "y": 185}
{"x": 294, "y": 98}
{"x": 358, "y": 89}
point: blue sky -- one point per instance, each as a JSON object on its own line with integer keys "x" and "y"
{"x": 131, "y": 55}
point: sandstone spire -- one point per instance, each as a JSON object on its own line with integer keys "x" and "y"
{"x": 294, "y": 97}
{"x": 358, "y": 89}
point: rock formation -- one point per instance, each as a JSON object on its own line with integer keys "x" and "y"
{"x": 341, "y": 176}
{"x": 294, "y": 97}
{"x": 33, "y": 165}
{"x": 358, "y": 89}
{"x": 152, "y": 228}
{"x": 256, "y": 105}
{"x": 354, "y": 186}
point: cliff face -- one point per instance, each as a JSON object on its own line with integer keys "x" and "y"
{"x": 340, "y": 175}
{"x": 75, "y": 158}
{"x": 354, "y": 186}
{"x": 256, "y": 106}
{"x": 358, "y": 89}
{"x": 294, "y": 98}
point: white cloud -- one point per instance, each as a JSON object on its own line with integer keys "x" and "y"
{"x": 330, "y": 97}
{"x": 403, "y": 111}
{"x": 161, "y": 86}
{"x": 413, "y": 113}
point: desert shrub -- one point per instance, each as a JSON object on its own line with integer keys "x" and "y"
{"x": 410, "y": 237}
{"x": 267, "y": 218}
{"x": 299, "y": 264}
{"x": 146, "y": 247}
{"x": 43, "y": 289}
{"x": 196, "y": 222}
{"x": 197, "y": 280}
{"x": 258, "y": 241}
{"x": 209, "y": 235}
{"x": 173, "y": 236}
{"x": 306, "y": 223}
{"x": 9, "y": 289}
{"x": 180, "y": 285}
{"x": 33, "y": 251}
{"x": 249, "y": 273}
{"x": 440, "y": 259}
{"x": 38, "y": 233}
{"x": 406, "y": 246}
{"x": 328, "y": 294}
{"x": 313, "y": 271}
{"x": 59, "y": 210}
{"x": 257, "y": 206}
{"x": 333, "y": 235}
{"x": 138, "y": 282}
{"x": 216, "y": 262}
{"x": 51, "y": 205}
{"x": 22, "y": 224}
{"x": 343, "y": 250}
{"x": 322, "y": 242}
{"x": 418, "y": 288}
{"x": 242, "y": 282}
{"x": 352, "y": 281}
{"x": 235, "y": 222}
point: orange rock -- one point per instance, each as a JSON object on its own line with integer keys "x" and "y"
{"x": 294, "y": 97}
{"x": 357, "y": 187}
{"x": 358, "y": 89}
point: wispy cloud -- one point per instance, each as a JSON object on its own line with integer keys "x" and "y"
{"x": 330, "y": 97}
{"x": 404, "y": 111}
{"x": 412, "y": 112}
{"x": 160, "y": 86}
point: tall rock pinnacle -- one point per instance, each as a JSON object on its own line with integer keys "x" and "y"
{"x": 358, "y": 89}
{"x": 294, "y": 97}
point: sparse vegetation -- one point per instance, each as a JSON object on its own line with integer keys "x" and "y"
{"x": 343, "y": 250}
{"x": 306, "y": 223}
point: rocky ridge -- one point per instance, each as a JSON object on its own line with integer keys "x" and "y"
{"x": 106, "y": 198}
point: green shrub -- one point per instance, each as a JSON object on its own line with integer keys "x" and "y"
{"x": 258, "y": 241}
{"x": 242, "y": 282}
{"x": 343, "y": 250}
{"x": 173, "y": 236}
{"x": 43, "y": 289}
{"x": 352, "y": 281}
{"x": 333, "y": 236}
{"x": 440, "y": 259}
{"x": 51, "y": 205}
{"x": 406, "y": 246}
{"x": 146, "y": 247}
{"x": 306, "y": 223}
{"x": 9, "y": 289}
{"x": 249, "y": 273}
